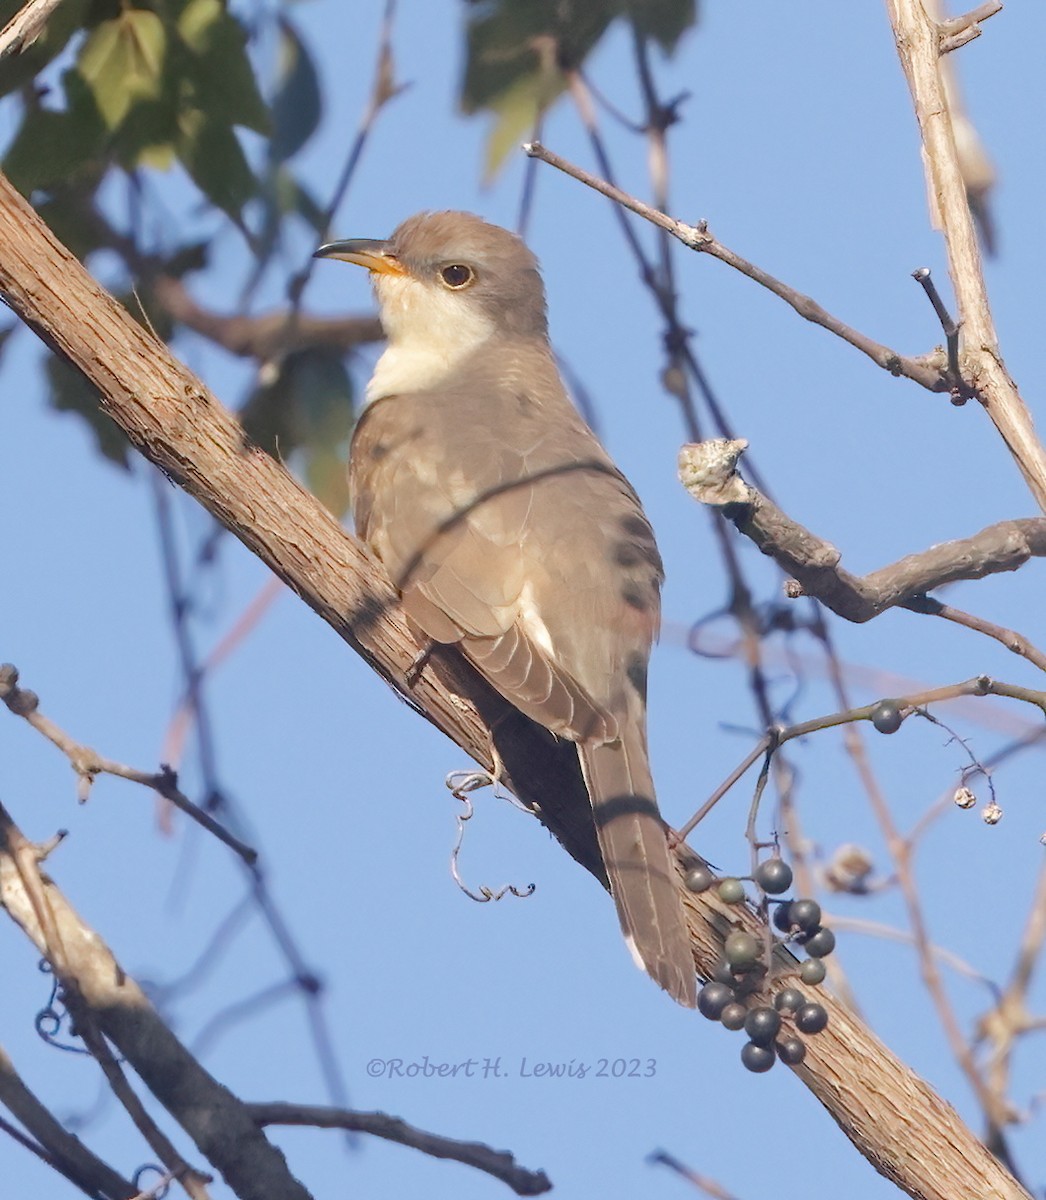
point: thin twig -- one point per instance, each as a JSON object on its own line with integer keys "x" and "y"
{"x": 927, "y": 371}
{"x": 769, "y": 744}
{"x": 705, "y": 1183}
{"x": 88, "y": 763}
{"x": 26, "y": 26}
{"x": 958, "y": 31}
{"x": 497, "y": 1163}
{"x": 383, "y": 89}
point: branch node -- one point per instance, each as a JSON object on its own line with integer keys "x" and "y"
{"x": 708, "y": 471}
{"x": 43, "y": 850}
{"x": 960, "y": 391}
{"x": 956, "y": 32}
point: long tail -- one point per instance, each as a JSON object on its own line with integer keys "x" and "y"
{"x": 643, "y": 881}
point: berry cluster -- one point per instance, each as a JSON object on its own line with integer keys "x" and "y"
{"x": 741, "y": 974}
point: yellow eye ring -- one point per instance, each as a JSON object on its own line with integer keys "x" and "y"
{"x": 456, "y": 276}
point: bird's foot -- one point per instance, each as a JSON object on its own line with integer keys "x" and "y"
{"x": 421, "y": 661}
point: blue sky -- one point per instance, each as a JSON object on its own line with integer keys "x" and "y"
{"x": 799, "y": 147}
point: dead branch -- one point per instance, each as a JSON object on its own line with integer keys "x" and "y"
{"x": 267, "y": 336}
{"x": 919, "y": 44}
{"x": 88, "y": 763}
{"x": 708, "y": 472}
{"x": 498, "y": 1163}
{"x": 63, "y": 1150}
{"x": 26, "y": 26}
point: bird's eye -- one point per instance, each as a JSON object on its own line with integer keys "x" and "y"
{"x": 456, "y": 275}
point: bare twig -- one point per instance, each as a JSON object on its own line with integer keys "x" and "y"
{"x": 1003, "y": 1024}
{"x": 704, "y": 1183}
{"x": 88, "y": 763}
{"x": 194, "y": 705}
{"x": 961, "y": 391}
{"x": 957, "y": 31}
{"x": 26, "y": 26}
{"x": 193, "y": 1181}
{"x": 498, "y": 1163}
{"x": 919, "y": 39}
{"x": 770, "y": 742}
{"x": 383, "y": 89}
{"x": 927, "y": 370}
{"x": 1010, "y": 638}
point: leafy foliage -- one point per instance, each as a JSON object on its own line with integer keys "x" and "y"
{"x": 121, "y": 87}
{"x": 304, "y": 417}
{"x": 519, "y": 53}
{"x": 149, "y": 84}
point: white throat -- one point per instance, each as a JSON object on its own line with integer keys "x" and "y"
{"x": 429, "y": 332}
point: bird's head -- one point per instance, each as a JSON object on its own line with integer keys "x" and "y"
{"x": 450, "y": 278}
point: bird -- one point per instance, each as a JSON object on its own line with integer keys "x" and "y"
{"x": 510, "y": 534}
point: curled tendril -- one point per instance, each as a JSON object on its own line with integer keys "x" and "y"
{"x": 159, "y": 1189}
{"x": 460, "y": 784}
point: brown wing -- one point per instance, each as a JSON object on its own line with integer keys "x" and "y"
{"x": 507, "y": 529}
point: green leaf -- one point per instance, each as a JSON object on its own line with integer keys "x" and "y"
{"x": 210, "y": 152}
{"x": 518, "y": 50}
{"x": 58, "y": 146}
{"x": 123, "y": 62}
{"x": 293, "y": 197}
{"x": 663, "y": 20}
{"x": 70, "y": 392}
{"x": 71, "y": 217}
{"x": 516, "y": 113}
{"x": 216, "y": 65}
{"x": 305, "y": 419}
{"x": 507, "y": 40}
{"x": 297, "y": 104}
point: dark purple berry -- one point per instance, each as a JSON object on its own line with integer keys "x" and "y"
{"x": 733, "y": 1016}
{"x": 757, "y": 1058}
{"x": 762, "y": 1025}
{"x": 806, "y": 914}
{"x": 741, "y": 949}
{"x": 886, "y": 716}
{"x": 699, "y": 878}
{"x": 812, "y": 971}
{"x": 811, "y": 1018}
{"x": 723, "y": 974}
{"x": 732, "y": 891}
{"x": 774, "y": 876}
{"x": 789, "y": 999}
{"x": 713, "y": 998}
{"x": 820, "y": 942}
{"x": 783, "y": 917}
{"x": 791, "y": 1050}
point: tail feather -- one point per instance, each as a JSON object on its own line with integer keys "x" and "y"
{"x": 639, "y": 866}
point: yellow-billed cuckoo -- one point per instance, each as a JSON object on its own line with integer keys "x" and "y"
{"x": 510, "y": 533}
